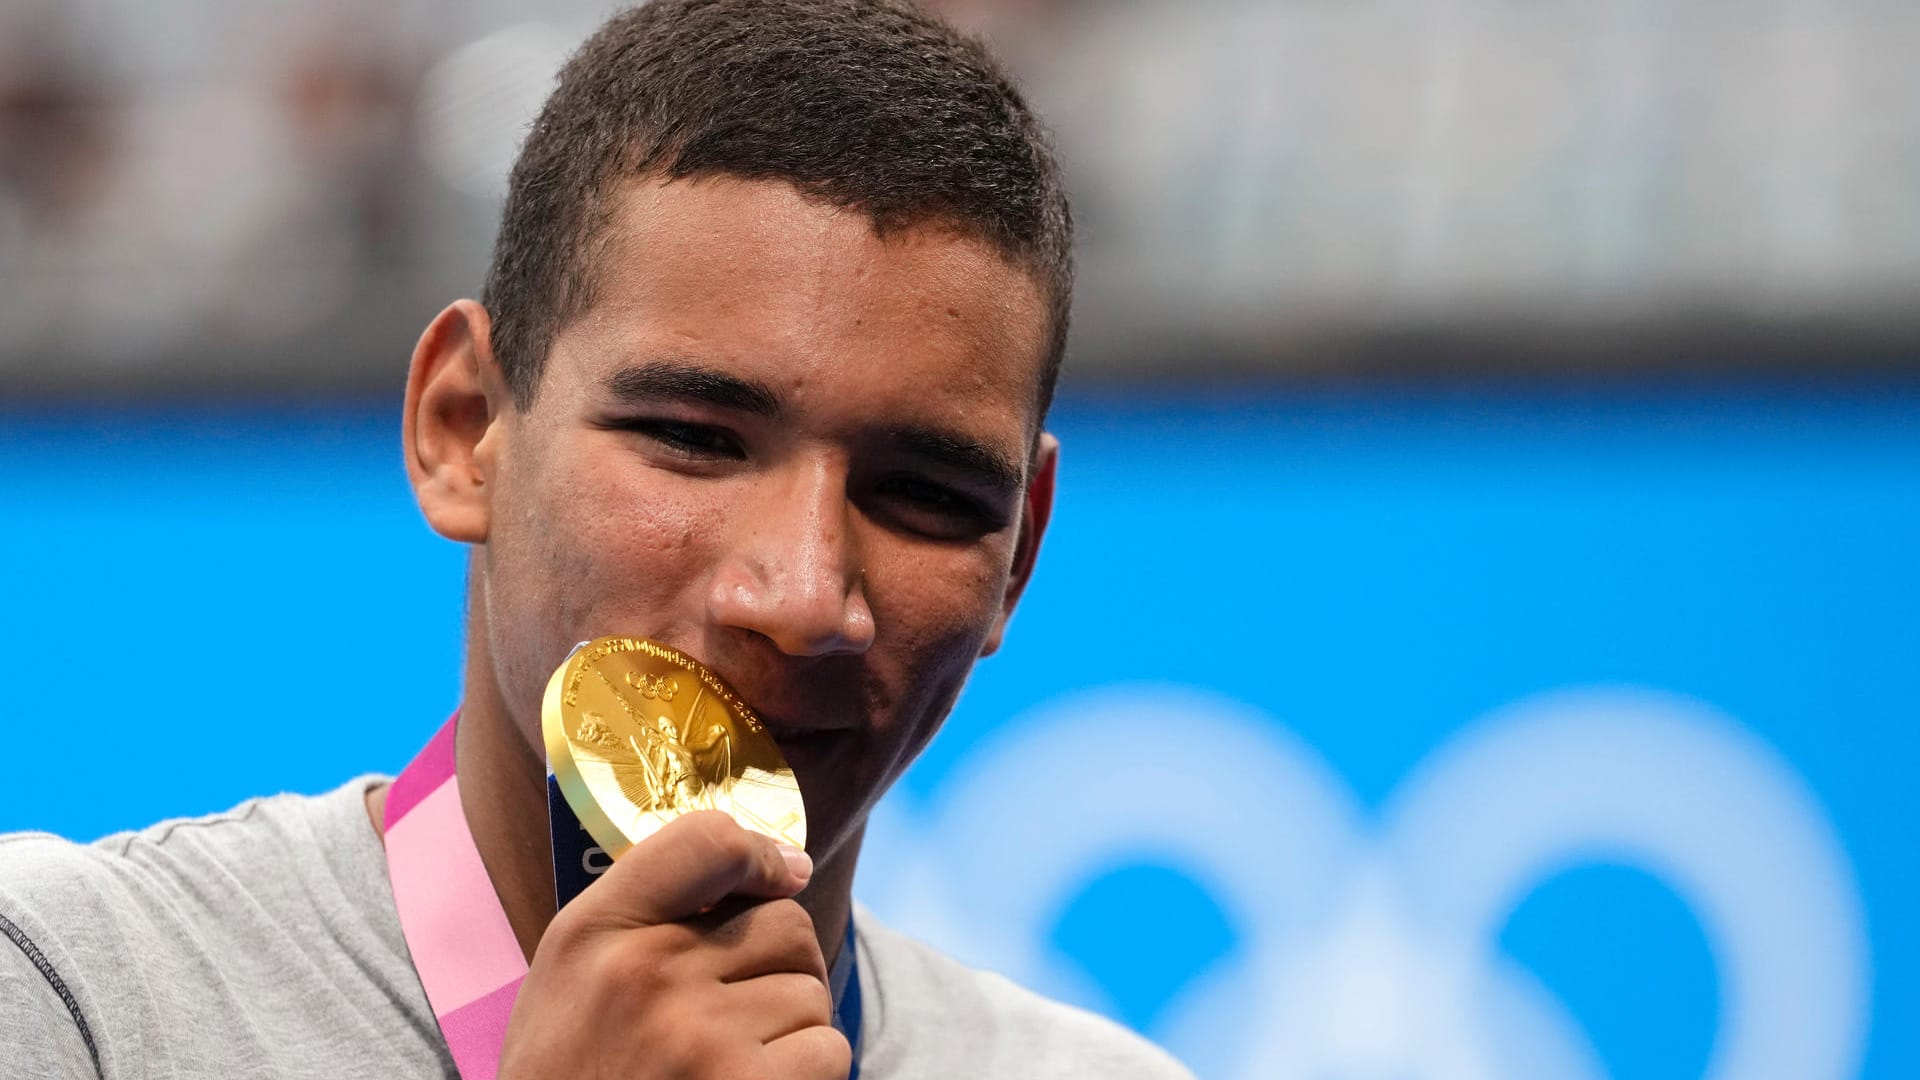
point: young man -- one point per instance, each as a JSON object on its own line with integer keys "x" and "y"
{"x": 760, "y": 372}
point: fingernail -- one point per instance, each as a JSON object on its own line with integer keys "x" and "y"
{"x": 799, "y": 863}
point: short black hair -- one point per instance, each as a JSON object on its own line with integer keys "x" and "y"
{"x": 870, "y": 104}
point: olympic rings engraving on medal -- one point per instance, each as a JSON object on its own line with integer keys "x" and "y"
{"x": 654, "y": 687}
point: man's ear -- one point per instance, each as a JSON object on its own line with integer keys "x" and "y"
{"x": 1034, "y": 515}
{"x": 457, "y": 402}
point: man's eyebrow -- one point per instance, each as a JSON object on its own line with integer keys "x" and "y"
{"x": 961, "y": 453}
{"x": 680, "y": 379}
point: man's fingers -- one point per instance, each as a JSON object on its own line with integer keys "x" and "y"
{"x": 779, "y": 1005}
{"x": 762, "y": 937}
{"x": 693, "y": 863}
{"x": 811, "y": 1052}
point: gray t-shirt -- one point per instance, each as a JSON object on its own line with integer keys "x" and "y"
{"x": 263, "y": 942}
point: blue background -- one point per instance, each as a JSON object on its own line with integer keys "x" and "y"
{"x": 1377, "y": 569}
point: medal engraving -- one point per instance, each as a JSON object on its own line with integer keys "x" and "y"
{"x": 638, "y": 733}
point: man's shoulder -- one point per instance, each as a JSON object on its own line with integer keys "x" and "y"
{"x": 949, "y": 1018}
{"x": 168, "y": 868}
{"x": 52, "y": 887}
{"x": 39, "y": 866}
{"x": 253, "y": 935}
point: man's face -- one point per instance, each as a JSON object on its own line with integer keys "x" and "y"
{"x": 795, "y": 450}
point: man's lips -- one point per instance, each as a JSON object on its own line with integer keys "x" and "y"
{"x": 784, "y": 729}
{"x": 790, "y": 715}
{"x": 808, "y": 751}
{"x": 773, "y": 694}
{"x": 804, "y": 733}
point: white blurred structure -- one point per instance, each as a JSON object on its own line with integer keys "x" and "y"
{"x": 278, "y": 196}
{"x": 1253, "y": 171}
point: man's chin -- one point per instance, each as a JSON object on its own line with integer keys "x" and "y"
{"x": 820, "y": 763}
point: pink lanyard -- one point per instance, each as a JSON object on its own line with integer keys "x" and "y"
{"x": 469, "y": 961}
{"x": 462, "y": 945}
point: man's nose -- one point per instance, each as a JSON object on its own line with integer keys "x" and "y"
{"x": 792, "y": 574}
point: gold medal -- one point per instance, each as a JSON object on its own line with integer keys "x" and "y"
{"x": 638, "y": 734}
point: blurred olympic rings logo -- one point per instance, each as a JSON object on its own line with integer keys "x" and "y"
{"x": 1370, "y": 944}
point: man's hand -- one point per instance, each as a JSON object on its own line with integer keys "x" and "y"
{"x": 688, "y": 958}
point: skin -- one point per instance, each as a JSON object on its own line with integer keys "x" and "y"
{"x": 841, "y": 539}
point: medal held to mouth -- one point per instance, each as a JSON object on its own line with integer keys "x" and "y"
{"x": 638, "y": 734}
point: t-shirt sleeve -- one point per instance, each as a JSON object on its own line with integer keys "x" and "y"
{"x": 41, "y": 1030}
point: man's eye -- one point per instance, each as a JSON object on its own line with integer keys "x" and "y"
{"x": 692, "y": 440}
{"x": 926, "y": 494}
{"x": 935, "y": 509}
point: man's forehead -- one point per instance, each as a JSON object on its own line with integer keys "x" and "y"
{"x": 737, "y": 223}
{"x": 755, "y": 274}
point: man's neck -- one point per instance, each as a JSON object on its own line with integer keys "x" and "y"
{"x": 503, "y": 791}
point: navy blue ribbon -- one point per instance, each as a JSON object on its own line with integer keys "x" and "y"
{"x": 845, "y": 984}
